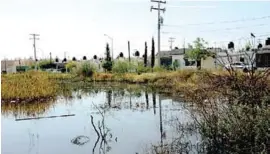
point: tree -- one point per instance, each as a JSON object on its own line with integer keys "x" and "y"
{"x": 231, "y": 45}
{"x": 175, "y": 65}
{"x": 84, "y": 58}
{"x": 107, "y": 65}
{"x": 198, "y": 51}
{"x": 153, "y": 53}
{"x": 137, "y": 53}
{"x": 248, "y": 46}
{"x": 74, "y": 59}
{"x": 121, "y": 55}
{"x": 260, "y": 46}
{"x": 65, "y": 60}
{"x": 95, "y": 56}
{"x": 107, "y": 53}
{"x": 56, "y": 59}
{"x": 145, "y": 55}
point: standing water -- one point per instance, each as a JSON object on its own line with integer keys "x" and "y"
{"x": 123, "y": 122}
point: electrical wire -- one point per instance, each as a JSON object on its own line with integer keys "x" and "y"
{"x": 226, "y": 29}
{"x": 220, "y": 22}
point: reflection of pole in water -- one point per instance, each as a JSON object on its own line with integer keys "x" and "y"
{"x": 160, "y": 120}
{"x": 109, "y": 97}
{"x": 154, "y": 102}
{"x": 147, "y": 100}
{"x": 130, "y": 104}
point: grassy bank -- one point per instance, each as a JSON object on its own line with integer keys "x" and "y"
{"x": 30, "y": 86}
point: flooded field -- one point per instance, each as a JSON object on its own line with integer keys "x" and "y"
{"x": 94, "y": 120}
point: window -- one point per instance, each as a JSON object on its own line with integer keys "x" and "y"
{"x": 242, "y": 59}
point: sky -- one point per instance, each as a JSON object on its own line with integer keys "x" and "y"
{"x": 77, "y": 27}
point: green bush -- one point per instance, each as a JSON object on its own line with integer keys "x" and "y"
{"x": 71, "y": 65}
{"x": 159, "y": 69}
{"x": 142, "y": 69}
{"x": 120, "y": 67}
{"x": 107, "y": 65}
{"x": 43, "y": 64}
{"x": 123, "y": 66}
{"x": 85, "y": 69}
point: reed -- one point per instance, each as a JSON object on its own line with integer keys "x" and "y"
{"x": 28, "y": 86}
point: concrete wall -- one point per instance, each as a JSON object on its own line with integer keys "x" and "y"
{"x": 208, "y": 63}
{"x": 223, "y": 58}
{"x": 180, "y": 59}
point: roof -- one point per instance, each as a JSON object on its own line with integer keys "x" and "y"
{"x": 180, "y": 51}
{"x": 216, "y": 50}
{"x": 267, "y": 47}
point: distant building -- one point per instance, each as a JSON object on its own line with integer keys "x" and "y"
{"x": 259, "y": 57}
{"x": 176, "y": 55}
{"x": 263, "y": 57}
{"x": 9, "y": 66}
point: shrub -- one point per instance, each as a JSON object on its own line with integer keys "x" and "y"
{"x": 107, "y": 65}
{"x": 71, "y": 65}
{"x": 123, "y": 66}
{"x": 46, "y": 64}
{"x": 120, "y": 67}
{"x": 85, "y": 69}
{"x": 142, "y": 69}
{"x": 159, "y": 69}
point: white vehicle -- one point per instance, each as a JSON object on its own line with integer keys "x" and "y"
{"x": 239, "y": 66}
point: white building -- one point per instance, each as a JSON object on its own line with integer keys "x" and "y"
{"x": 167, "y": 58}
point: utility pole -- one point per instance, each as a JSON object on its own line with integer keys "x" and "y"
{"x": 171, "y": 40}
{"x": 160, "y": 20}
{"x": 65, "y": 54}
{"x": 50, "y": 57}
{"x": 34, "y": 45}
{"x": 6, "y": 65}
{"x": 184, "y": 45}
{"x": 128, "y": 51}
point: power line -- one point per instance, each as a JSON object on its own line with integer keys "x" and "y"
{"x": 220, "y": 22}
{"x": 226, "y": 29}
{"x": 245, "y": 38}
{"x": 266, "y": 34}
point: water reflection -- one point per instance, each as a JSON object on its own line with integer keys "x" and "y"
{"x": 107, "y": 119}
{"x": 104, "y": 135}
{"x": 26, "y": 109}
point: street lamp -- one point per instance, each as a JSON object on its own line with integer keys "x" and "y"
{"x": 111, "y": 41}
{"x": 253, "y": 36}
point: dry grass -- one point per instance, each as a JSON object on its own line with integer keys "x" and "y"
{"x": 33, "y": 109}
{"x": 27, "y": 86}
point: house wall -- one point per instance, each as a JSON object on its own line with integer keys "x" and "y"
{"x": 223, "y": 58}
{"x": 9, "y": 66}
{"x": 208, "y": 63}
{"x": 180, "y": 59}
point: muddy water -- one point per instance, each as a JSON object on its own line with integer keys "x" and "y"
{"x": 133, "y": 122}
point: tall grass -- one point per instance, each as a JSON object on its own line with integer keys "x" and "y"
{"x": 30, "y": 85}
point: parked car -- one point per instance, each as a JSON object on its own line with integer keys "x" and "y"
{"x": 240, "y": 66}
